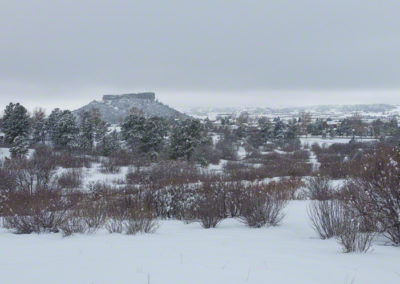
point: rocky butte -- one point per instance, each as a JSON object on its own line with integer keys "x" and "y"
{"x": 114, "y": 108}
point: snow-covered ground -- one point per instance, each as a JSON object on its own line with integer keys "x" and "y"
{"x": 329, "y": 141}
{"x": 5, "y": 153}
{"x": 179, "y": 254}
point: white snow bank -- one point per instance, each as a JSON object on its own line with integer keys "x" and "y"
{"x": 181, "y": 254}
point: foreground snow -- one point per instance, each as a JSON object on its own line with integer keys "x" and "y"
{"x": 179, "y": 253}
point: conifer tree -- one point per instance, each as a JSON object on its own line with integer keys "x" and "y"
{"x": 185, "y": 137}
{"x": 20, "y": 146}
{"x": 15, "y": 122}
{"x": 62, "y": 129}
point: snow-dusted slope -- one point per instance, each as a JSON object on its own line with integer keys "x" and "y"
{"x": 115, "y": 108}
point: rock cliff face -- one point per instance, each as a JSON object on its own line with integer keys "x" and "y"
{"x": 114, "y": 108}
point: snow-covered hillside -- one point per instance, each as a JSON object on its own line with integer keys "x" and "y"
{"x": 114, "y": 108}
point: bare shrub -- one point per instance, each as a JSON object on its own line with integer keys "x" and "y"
{"x": 73, "y": 225}
{"x": 262, "y": 206}
{"x": 66, "y": 159}
{"x": 278, "y": 165}
{"x": 93, "y": 214}
{"x": 72, "y": 178}
{"x": 109, "y": 166}
{"x": 333, "y": 166}
{"x": 234, "y": 196}
{"x": 114, "y": 225}
{"x": 373, "y": 194}
{"x": 42, "y": 211}
{"x": 238, "y": 171}
{"x": 351, "y": 238}
{"x": 326, "y": 217}
{"x": 140, "y": 221}
{"x": 122, "y": 158}
{"x": 116, "y": 214}
{"x": 205, "y": 154}
{"x": 319, "y": 188}
{"x": 211, "y": 206}
{"x": 29, "y": 175}
{"x": 165, "y": 173}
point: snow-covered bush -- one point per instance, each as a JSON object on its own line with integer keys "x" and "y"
{"x": 73, "y": 225}
{"x": 262, "y": 205}
{"x": 211, "y": 205}
{"x": 20, "y": 146}
{"x": 114, "y": 225}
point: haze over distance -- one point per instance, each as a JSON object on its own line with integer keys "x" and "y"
{"x": 224, "y": 53}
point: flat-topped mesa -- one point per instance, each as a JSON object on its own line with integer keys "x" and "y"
{"x": 115, "y": 108}
{"x": 141, "y": 96}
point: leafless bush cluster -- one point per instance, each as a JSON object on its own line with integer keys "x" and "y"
{"x": 352, "y": 238}
{"x": 71, "y": 178}
{"x": 211, "y": 205}
{"x": 68, "y": 160}
{"x": 110, "y": 166}
{"x": 337, "y": 160}
{"x": 272, "y": 165}
{"x": 140, "y": 221}
{"x": 330, "y": 218}
{"x": 373, "y": 193}
{"x": 326, "y": 217}
{"x": 129, "y": 210}
{"x": 41, "y": 211}
{"x": 165, "y": 173}
{"x": 237, "y": 171}
{"x": 320, "y": 188}
{"x": 262, "y": 205}
{"x": 290, "y": 164}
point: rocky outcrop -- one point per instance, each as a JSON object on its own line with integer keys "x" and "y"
{"x": 114, "y": 108}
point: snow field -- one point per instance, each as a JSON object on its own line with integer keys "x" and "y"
{"x": 181, "y": 253}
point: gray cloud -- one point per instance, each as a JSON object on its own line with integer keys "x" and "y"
{"x": 73, "y": 51}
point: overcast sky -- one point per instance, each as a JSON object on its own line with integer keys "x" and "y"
{"x": 227, "y": 52}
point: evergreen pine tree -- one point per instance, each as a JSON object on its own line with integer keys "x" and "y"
{"x": 110, "y": 143}
{"x": 20, "y": 146}
{"x": 279, "y": 129}
{"x": 62, "y": 129}
{"x": 292, "y": 129}
{"x": 266, "y": 131}
{"x": 15, "y": 122}
{"x": 132, "y": 131}
{"x": 38, "y": 126}
{"x": 144, "y": 135}
{"x": 86, "y": 132}
{"x": 185, "y": 137}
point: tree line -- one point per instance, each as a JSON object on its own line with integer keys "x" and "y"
{"x": 87, "y": 133}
